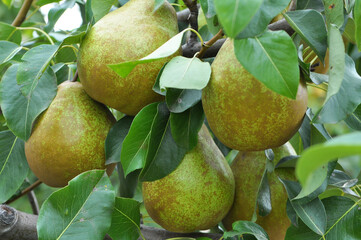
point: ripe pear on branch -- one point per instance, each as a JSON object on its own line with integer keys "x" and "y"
{"x": 69, "y": 137}
{"x": 197, "y": 195}
{"x": 128, "y": 33}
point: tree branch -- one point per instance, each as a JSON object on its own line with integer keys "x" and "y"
{"x": 33, "y": 202}
{"x": 22, "y": 13}
{"x": 15, "y": 225}
{"x": 192, "y": 19}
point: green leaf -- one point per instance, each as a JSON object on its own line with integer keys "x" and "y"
{"x": 9, "y": 33}
{"x": 246, "y": 227}
{"x": 179, "y": 100}
{"x": 208, "y": 8}
{"x": 101, "y": 7}
{"x": 20, "y": 112}
{"x": 125, "y": 220}
{"x": 34, "y": 65}
{"x": 342, "y": 180}
{"x": 135, "y": 144}
{"x": 167, "y": 49}
{"x": 311, "y": 212}
{"x": 337, "y": 61}
{"x": 163, "y": 155}
{"x": 185, "y": 126}
{"x": 343, "y": 219}
{"x": 115, "y": 138}
{"x": 341, "y": 105}
{"x": 235, "y": 15}
{"x": 334, "y": 12}
{"x": 7, "y": 51}
{"x": 81, "y": 210}
{"x": 264, "y": 197}
{"x": 185, "y": 73}
{"x": 357, "y": 18}
{"x": 280, "y": 71}
{"x": 354, "y": 119}
{"x": 56, "y": 12}
{"x": 268, "y": 10}
{"x": 309, "y": 24}
{"x": 13, "y": 165}
{"x": 157, "y": 4}
{"x": 313, "y": 158}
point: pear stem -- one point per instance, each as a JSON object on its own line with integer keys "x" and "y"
{"x": 22, "y": 13}
{"x": 25, "y": 191}
{"x": 208, "y": 44}
{"x": 75, "y": 77}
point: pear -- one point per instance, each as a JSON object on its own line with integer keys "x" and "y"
{"x": 197, "y": 195}
{"x": 128, "y": 33}
{"x": 248, "y": 168}
{"x": 242, "y": 112}
{"x": 69, "y": 137}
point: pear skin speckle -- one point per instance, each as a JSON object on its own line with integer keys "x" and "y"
{"x": 128, "y": 33}
{"x": 69, "y": 137}
{"x": 248, "y": 168}
{"x": 242, "y": 112}
{"x": 197, "y": 195}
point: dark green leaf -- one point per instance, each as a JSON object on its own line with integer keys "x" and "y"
{"x": 127, "y": 184}
{"x": 307, "y": 4}
{"x": 7, "y": 51}
{"x": 312, "y": 213}
{"x": 56, "y": 12}
{"x": 313, "y": 158}
{"x": 268, "y": 10}
{"x": 234, "y": 15}
{"x": 343, "y": 221}
{"x": 81, "y": 210}
{"x": 185, "y": 73}
{"x": 342, "y": 180}
{"x": 185, "y": 126}
{"x": 19, "y": 111}
{"x": 115, "y": 138}
{"x": 9, "y": 33}
{"x": 135, "y": 144}
{"x": 246, "y": 227}
{"x": 166, "y": 50}
{"x": 13, "y": 165}
{"x": 208, "y": 8}
{"x": 354, "y": 119}
{"x": 101, "y": 7}
{"x": 264, "y": 197}
{"x": 334, "y": 12}
{"x": 125, "y": 220}
{"x": 164, "y": 155}
{"x": 309, "y": 24}
{"x": 34, "y": 65}
{"x": 280, "y": 71}
{"x": 344, "y": 103}
{"x": 156, "y": 87}
{"x": 179, "y": 100}
{"x": 357, "y": 18}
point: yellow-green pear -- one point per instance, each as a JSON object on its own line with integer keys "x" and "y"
{"x": 242, "y": 112}
{"x": 197, "y": 195}
{"x": 128, "y": 33}
{"x": 248, "y": 168}
{"x": 69, "y": 137}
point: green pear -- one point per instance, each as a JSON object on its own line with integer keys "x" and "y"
{"x": 242, "y": 112}
{"x": 69, "y": 137}
{"x": 128, "y": 33}
{"x": 248, "y": 168}
{"x": 197, "y": 195}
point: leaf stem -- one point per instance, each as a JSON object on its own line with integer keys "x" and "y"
{"x": 38, "y": 30}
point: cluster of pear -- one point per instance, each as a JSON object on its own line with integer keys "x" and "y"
{"x": 68, "y": 138}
